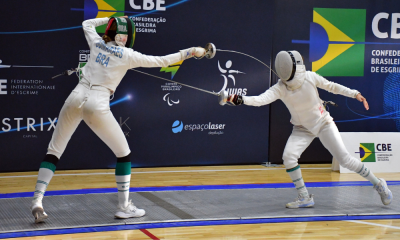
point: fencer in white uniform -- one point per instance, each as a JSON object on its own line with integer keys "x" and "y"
{"x": 297, "y": 88}
{"x": 111, "y": 56}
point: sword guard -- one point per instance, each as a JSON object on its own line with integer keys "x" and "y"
{"x": 67, "y": 72}
{"x": 223, "y": 97}
{"x": 210, "y": 50}
{"x": 73, "y": 70}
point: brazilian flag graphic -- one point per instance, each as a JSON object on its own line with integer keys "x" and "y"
{"x": 367, "y": 153}
{"x": 333, "y": 33}
{"x": 103, "y": 8}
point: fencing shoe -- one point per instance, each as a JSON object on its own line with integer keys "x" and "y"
{"x": 129, "y": 211}
{"x": 38, "y": 212}
{"x": 383, "y": 190}
{"x": 302, "y": 202}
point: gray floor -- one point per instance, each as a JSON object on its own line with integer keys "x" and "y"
{"x": 172, "y": 206}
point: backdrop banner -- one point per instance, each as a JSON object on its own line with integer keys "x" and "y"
{"x": 353, "y": 43}
{"x": 378, "y": 151}
{"x": 166, "y": 124}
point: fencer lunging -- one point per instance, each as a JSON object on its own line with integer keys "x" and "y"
{"x": 110, "y": 58}
{"x": 297, "y": 88}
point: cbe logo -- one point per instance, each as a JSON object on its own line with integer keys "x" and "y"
{"x": 84, "y": 55}
{"x": 368, "y": 152}
{"x": 3, "y": 85}
{"x": 148, "y": 5}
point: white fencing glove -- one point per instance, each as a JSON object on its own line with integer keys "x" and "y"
{"x": 197, "y": 52}
{"x": 235, "y": 99}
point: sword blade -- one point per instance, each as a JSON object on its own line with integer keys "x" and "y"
{"x": 213, "y": 93}
{"x": 220, "y": 50}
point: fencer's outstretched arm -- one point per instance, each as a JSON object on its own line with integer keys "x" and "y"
{"x": 141, "y": 60}
{"x": 137, "y": 59}
{"x": 332, "y": 87}
{"x": 336, "y": 88}
{"x": 272, "y": 94}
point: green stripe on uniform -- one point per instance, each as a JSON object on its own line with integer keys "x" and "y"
{"x": 40, "y": 192}
{"x": 48, "y": 165}
{"x": 123, "y": 168}
{"x": 362, "y": 168}
{"x": 293, "y": 169}
{"x": 42, "y": 182}
{"x": 298, "y": 179}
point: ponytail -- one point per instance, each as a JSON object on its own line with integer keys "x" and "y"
{"x": 106, "y": 38}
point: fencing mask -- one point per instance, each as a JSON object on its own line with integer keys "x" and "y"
{"x": 285, "y": 64}
{"x": 123, "y": 31}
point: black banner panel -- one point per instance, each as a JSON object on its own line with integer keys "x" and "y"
{"x": 166, "y": 124}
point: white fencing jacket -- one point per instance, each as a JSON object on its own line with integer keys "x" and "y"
{"x": 108, "y": 63}
{"x": 301, "y": 97}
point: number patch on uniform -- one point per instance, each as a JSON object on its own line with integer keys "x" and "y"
{"x": 101, "y": 59}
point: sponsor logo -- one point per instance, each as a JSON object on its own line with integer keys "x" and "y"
{"x": 337, "y": 41}
{"x": 228, "y": 74}
{"x": 177, "y": 126}
{"x": 27, "y": 86}
{"x": 31, "y": 124}
{"x": 124, "y": 125}
{"x": 116, "y": 8}
{"x": 3, "y": 86}
{"x": 148, "y": 5}
{"x": 84, "y": 56}
{"x": 170, "y": 102}
{"x": 214, "y": 129}
{"x": 367, "y": 152}
{"x": 171, "y": 87}
{"x": 333, "y": 33}
{"x": 371, "y": 152}
{"x": 173, "y": 68}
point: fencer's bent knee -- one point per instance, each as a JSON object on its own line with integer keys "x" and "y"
{"x": 123, "y": 154}
{"x": 289, "y": 160}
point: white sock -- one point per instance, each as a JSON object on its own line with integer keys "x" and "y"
{"x": 123, "y": 184}
{"x": 367, "y": 174}
{"x": 44, "y": 177}
{"x": 295, "y": 175}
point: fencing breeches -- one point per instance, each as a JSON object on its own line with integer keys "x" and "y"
{"x": 330, "y": 137}
{"x": 93, "y": 106}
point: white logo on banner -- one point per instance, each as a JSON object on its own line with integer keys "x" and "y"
{"x": 170, "y": 102}
{"x": 239, "y": 91}
{"x": 212, "y": 128}
{"x": 31, "y": 124}
{"x": 3, "y": 86}
{"x": 123, "y": 123}
{"x": 148, "y": 5}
